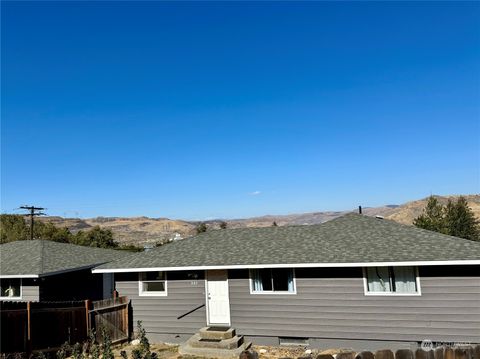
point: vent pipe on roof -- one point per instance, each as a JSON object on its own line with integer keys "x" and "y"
{"x": 359, "y": 209}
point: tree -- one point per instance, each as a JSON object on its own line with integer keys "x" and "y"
{"x": 433, "y": 216}
{"x": 96, "y": 237}
{"x": 12, "y": 228}
{"x": 223, "y": 225}
{"x": 460, "y": 220}
{"x": 201, "y": 227}
{"x": 455, "y": 219}
{"x": 15, "y": 228}
{"x": 49, "y": 231}
{"x": 274, "y": 224}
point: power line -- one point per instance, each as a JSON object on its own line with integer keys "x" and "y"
{"x": 33, "y": 211}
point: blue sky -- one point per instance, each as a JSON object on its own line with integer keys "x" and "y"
{"x": 202, "y": 110}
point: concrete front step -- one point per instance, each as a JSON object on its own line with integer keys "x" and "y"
{"x": 197, "y": 341}
{"x": 187, "y": 349}
{"x": 216, "y": 333}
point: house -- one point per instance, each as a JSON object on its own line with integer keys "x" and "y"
{"x": 354, "y": 282}
{"x": 39, "y": 270}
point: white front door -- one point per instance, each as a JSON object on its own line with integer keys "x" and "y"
{"x": 218, "y": 304}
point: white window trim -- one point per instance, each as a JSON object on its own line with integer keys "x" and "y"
{"x": 272, "y": 292}
{"x": 15, "y": 298}
{"x": 142, "y": 293}
{"x": 418, "y": 293}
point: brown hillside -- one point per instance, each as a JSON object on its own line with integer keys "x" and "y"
{"x": 410, "y": 210}
{"x": 144, "y": 230}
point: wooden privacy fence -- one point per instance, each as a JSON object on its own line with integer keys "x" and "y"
{"x": 111, "y": 316}
{"x": 27, "y": 326}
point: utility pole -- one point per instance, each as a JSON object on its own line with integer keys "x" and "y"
{"x": 33, "y": 211}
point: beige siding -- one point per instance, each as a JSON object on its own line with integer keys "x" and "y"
{"x": 330, "y": 303}
{"x": 160, "y": 314}
{"x": 31, "y": 293}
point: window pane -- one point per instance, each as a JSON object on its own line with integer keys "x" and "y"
{"x": 154, "y": 276}
{"x": 405, "y": 279}
{"x": 10, "y": 288}
{"x": 257, "y": 283}
{"x": 153, "y": 286}
{"x": 266, "y": 279}
{"x": 378, "y": 279}
{"x": 282, "y": 280}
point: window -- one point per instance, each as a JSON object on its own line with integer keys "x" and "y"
{"x": 11, "y": 288}
{"x": 279, "y": 281}
{"x": 152, "y": 283}
{"x": 392, "y": 281}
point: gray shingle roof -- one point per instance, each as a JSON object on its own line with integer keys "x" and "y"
{"x": 40, "y": 257}
{"x": 352, "y": 238}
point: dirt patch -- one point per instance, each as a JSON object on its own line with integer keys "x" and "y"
{"x": 164, "y": 351}
{"x": 169, "y": 351}
{"x": 276, "y": 352}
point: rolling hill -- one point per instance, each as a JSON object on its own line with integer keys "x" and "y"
{"x": 145, "y": 230}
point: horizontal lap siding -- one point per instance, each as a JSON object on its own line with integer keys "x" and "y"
{"x": 331, "y": 304}
{"x": 30, "y": 290}
{"x": 159, "y": 314}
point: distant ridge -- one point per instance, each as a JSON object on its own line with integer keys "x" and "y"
{"x": 145, "y": 230}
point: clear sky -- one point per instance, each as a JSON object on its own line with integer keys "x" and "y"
{"x": 223, "y": 109}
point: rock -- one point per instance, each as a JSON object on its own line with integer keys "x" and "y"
{"x": 346, "y": 355}
{"x": 249, "y": 354}
{"x": 384, "y": 354}
{"x": 403, "y": 354}
{"x": 365, "y": 355}
{"x": 308, "y": 352}
{"x": 324, "y": 356}
{"x": 262, "y": 351}
{"x": 135, "y": 342}
{"x": 463, "y": 353}
{"x": 449, "y": 353}
{"x": 438, "y": 353}
{"x": 424, "y": 354}
{"x": 476, "y": 352}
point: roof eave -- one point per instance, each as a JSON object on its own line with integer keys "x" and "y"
{"x": 6, "y": 276}
{"x": 291, "y": 265}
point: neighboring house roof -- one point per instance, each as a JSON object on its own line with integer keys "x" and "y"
{"x": 350, "y": 240}
{"x": 36, "y": 258}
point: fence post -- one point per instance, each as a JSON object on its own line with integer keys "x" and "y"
{"x": 29, "y": 329}
{"x": 127, "y": 324}
{"x": 87, "y": 315}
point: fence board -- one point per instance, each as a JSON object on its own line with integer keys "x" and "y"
{"x": 111, "y": 315}
{"x": 13, "y": 328}
{"x": 50, "y": 324}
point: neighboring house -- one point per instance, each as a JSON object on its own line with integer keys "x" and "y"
{"x": 38, "y": 270}
{"x": 355, "y": 281}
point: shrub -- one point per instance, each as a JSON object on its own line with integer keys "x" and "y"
{"x": 77, "y": 351}
{"x": 64, "y": 351}
{"x": 93, "y": 346}
{"x": 142, "y": 336}
{"x": 107, "y": 345}
{"x": 136, "y": 354}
